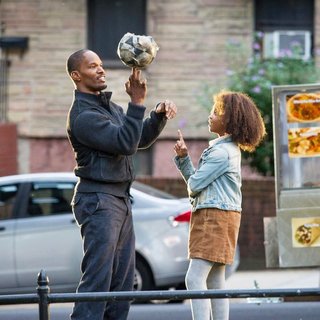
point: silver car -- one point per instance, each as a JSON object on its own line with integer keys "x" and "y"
{"x": 38, "y": 231}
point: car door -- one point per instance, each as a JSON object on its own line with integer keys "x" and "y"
{"x": 8, "y": 197}
{"x": 48, "y": 238}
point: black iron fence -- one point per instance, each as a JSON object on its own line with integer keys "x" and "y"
{"x": 44, "y": 298}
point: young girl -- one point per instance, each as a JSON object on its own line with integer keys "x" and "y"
{"x": 214, "y": 190}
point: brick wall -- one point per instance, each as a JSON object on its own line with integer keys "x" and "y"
{"x": 192, "y": 36}
{"x": 39, "y": 89}
{"x": 163, "y": 154}
{"x": 51, "y": 155}
{"x": 8, "y": 149}
{"x": 258, "y": 202}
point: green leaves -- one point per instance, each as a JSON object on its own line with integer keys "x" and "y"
{"x": 256, "y": 77}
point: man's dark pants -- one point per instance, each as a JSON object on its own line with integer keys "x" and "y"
{"x": 109, "y": 253}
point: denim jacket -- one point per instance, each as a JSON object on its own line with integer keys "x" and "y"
{"x": 217, "y": 181}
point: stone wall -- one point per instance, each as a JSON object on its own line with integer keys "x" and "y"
{"x": 192, "y": 36}
{"x": 39, "y": 89}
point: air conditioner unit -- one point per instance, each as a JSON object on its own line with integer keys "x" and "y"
{"x": 280, "y": 43}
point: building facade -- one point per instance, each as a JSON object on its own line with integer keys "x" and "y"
{"x": 193, "y": 37}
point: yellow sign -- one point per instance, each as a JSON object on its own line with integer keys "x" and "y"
{"x": 303, "y": 107}
{"x": 304, "y": 142}
{"x": 305, "y": 232}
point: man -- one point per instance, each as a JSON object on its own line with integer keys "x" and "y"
{"x": 104, "y": 139}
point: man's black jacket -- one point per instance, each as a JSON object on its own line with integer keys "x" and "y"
{"x": 104, "y": 140}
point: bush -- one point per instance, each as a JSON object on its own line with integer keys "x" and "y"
{"x": 255, "y": 78}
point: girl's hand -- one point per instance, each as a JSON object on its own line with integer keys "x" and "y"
{"x": 180, "y": 147}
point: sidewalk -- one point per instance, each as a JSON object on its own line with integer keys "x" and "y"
{"x": 291, "y": 278}
{"x": 275, "y": 278}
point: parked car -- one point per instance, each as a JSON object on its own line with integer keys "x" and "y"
{"x": 38, "y": 231}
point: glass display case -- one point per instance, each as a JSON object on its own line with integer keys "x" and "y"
{"x": 296, "y": 123}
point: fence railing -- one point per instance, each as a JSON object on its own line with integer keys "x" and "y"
{"x": 44, "y": 298}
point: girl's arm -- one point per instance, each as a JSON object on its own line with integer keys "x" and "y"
{"x": 182, "y": 159}
{"x": 212, "y": 167}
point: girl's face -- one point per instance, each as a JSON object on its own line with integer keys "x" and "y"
{"x": 216, "y": 123}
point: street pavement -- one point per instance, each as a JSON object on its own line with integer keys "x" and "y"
{"x": 240, "y": 308}
{"x": 275, "y": 278}
{"x": 238, "y": 311}
{"x": 280, "y": 278}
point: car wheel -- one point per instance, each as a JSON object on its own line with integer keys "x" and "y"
{"x": 143, "y": 277}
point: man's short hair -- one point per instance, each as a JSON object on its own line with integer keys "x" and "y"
{"x": 75, "y": 59}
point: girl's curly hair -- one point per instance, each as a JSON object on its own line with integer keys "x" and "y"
{"x": 241, "y": 117}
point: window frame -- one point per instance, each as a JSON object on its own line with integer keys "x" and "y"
{"x": 96, "y": 22}
{"x": 280, "y": 23}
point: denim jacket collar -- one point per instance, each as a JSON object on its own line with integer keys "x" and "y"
{"x": 225, "y": 138}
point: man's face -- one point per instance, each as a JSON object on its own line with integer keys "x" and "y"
{"x": 91, "y": 77}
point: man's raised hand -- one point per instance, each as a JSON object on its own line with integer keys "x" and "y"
{"x": 167, "y": 107}
{"x": 136, "y": 88}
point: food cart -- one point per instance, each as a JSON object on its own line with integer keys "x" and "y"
{"x": 292, "y": 238}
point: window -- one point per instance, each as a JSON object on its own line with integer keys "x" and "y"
{"x": 285, "y": 24}
{"x": 8, "y": 195}
{"x": 278, "y": 43}
{"x": 272, "y": 15}
{"x": 108, "y": 21}
{"x": 50, "y": 198}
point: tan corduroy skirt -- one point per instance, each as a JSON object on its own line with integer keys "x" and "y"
{"x": 213, "y": 235}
